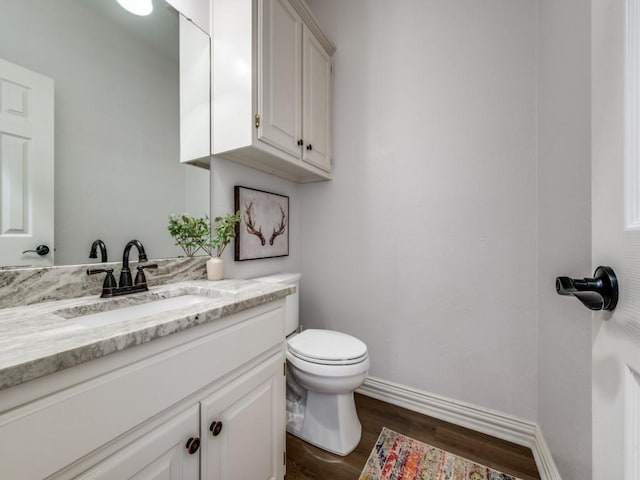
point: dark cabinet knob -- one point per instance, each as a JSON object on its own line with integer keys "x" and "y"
{"x": 40, "y": 250}
{"x": 215, "y": 428}
{"x": 309, "y": 147}
{"x": 300, "y": 143}
{"x": 193, "y": 445}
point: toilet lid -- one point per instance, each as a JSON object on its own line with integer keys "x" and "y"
{"x": 327, "y": 346}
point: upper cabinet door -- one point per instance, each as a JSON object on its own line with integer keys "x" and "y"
{"x": 195, "y": 96}
{"x": 316, "y": 98}
{"x": 279, "y": 91}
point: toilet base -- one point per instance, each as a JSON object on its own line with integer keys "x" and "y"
{"x": 330, "y": 422}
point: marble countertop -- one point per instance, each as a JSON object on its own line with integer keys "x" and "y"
{"x": 43, "y": 338}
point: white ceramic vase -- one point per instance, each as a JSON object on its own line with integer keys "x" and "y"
{"x": 215, "y": 268}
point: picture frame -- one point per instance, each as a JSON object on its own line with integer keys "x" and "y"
{"x": 263, "y": 230}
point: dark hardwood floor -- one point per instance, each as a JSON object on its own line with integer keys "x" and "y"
{"x": 306, "y": 462}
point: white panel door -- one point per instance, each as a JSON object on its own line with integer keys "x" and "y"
{"x": 616, "y": 236}
{"x": 250, "y": 443}
{"x": 316, "y": 102}
{"x": 158, "y": 455}
{"x": 280, "y": 84}
{"x": 26, "y": 165}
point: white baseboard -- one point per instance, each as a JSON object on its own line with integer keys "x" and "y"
{"x": 542, "y": 455}
{"x": 497, "y": 424}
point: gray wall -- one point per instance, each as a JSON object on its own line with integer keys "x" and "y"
{"x": 461, "y": 190}
{"x": 424, "y": 244}
{"x": 117, "y": 171}
{"x": 564, "y": 238}
{"x": 224, "y": 176}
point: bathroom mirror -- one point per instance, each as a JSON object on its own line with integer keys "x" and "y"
{"x": 116, "y": 128}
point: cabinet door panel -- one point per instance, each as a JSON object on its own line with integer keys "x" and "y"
{"x": 279, "y": 94}
{"x": 316, "y": 94}
{"x": 158, "y": 455}
{"x": 250, "y": 445}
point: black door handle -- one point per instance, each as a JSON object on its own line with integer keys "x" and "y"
{"x": 597, "y": 293}
{"x": 40, "y": 250}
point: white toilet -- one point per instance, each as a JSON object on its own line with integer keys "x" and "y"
{"x": 324, "y": 368}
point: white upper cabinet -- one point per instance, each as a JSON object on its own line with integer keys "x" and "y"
{"x": 195, "y": 94}
{"x": 272, "y": 88}
{"x": 316, "y": 103}
{"x": 280, "y": 102}
{"x": 197, "y": 11}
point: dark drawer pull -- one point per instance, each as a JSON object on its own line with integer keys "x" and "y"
{"x": 215, "y": 428}
{"x": 193, "y": 445}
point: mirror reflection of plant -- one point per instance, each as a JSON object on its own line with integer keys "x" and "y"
{"x": 190, "y": 233}
{"x": 194, "y": 233}
{"x": 223, "y": 232}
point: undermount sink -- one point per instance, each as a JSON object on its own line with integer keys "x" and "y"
{"x": 132, "y": 312}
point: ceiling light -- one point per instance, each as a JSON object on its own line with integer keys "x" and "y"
{"x": 137, "y": 7}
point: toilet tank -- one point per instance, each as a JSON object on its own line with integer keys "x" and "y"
{"x": 292, "y": 305}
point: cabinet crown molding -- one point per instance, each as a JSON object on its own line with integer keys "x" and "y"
{"x": 310, "y": 20}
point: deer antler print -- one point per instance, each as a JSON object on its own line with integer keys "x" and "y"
{"x": 251, "y": 223}
{"x": 278, "y": 229}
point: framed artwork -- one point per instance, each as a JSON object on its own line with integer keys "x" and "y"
{"x": 263, "y": 231}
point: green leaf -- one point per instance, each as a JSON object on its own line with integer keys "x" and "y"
{"x": 191, "y": 234}
{"x": 194, "y": 233}
{"x": 224, "y": 231}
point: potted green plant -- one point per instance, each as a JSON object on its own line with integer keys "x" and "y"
{"x": 193, "y": 234}
{"x": 223, "y": 232}
{"x": 190, "y": 233}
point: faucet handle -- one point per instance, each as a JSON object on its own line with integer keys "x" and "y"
{"x": 140, "y": 277}
{"x": 142, "y": 266}
{"x": 93, "y": 271}
{"x": 109, "y": 284}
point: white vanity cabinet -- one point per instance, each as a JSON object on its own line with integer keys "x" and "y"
{"x": 133, "y": 414}
{"x": 272, "y": 88}
{"x": 244, "y": 426}
{"x": 160, "y": 453}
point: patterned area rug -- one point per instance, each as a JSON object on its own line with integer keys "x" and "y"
{"x": 398, "y": 457}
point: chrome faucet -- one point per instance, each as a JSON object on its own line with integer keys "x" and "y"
{"x": 93, "y": 253}
{"x": 125, "y": 286}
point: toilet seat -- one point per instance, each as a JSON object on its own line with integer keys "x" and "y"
{"x": 329, "y": 370}
{"x": 327, "y": 347}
